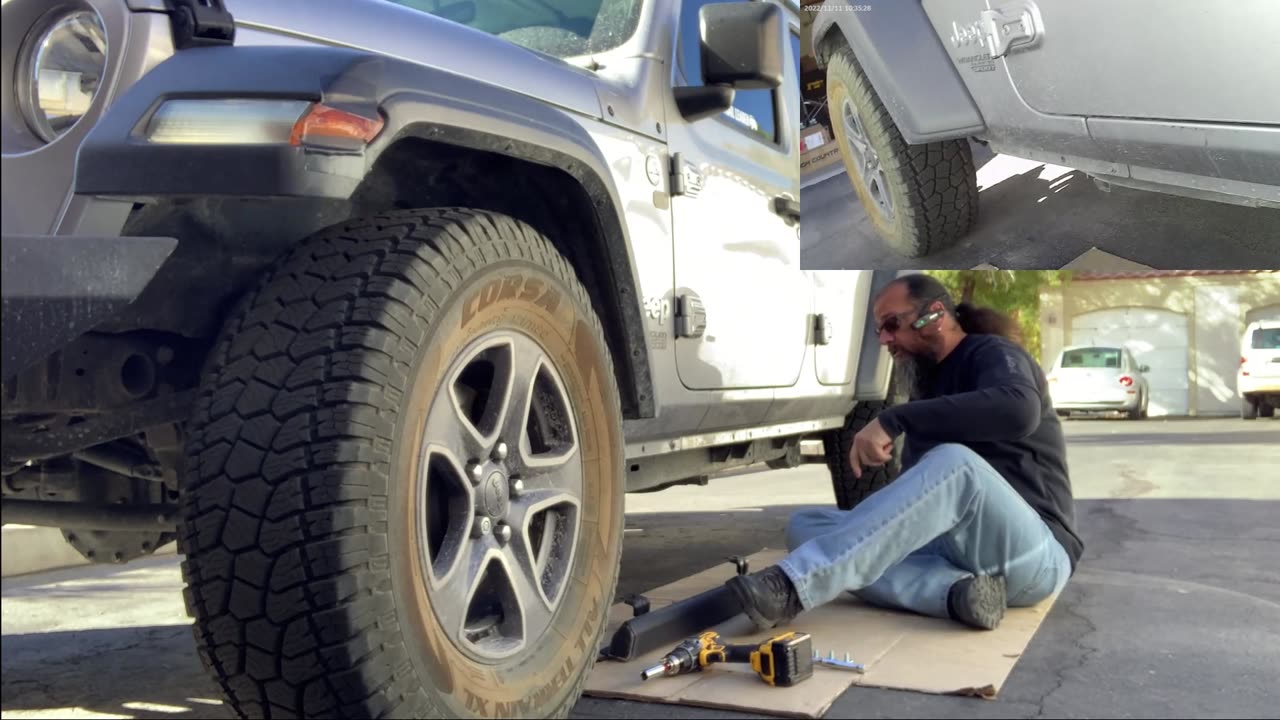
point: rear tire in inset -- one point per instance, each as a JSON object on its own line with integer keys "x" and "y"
{"x": 920, "y": 198}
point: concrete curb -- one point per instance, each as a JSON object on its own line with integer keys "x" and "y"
{"x": 28, "y": 549}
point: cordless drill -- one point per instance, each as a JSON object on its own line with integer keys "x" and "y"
{"x": 782, "y": 660}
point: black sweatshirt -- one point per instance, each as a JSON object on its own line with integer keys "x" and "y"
{"x": 990, "y": 395}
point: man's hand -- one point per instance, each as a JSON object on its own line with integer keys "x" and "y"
{"x": 872, "y": 447}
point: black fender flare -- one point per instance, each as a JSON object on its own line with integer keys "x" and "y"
{"x": 907, "y": 64}
{"x": 875, "y": 365}
{"x": 414, "y": 101}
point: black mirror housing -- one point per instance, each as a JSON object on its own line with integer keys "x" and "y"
{"x": 741, "y": 45}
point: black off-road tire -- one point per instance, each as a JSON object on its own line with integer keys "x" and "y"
{"x": 1266, "y": 410}
{"x": 1249, "y": 409}
{"x": 299, "y": 521}
{"x": 851, "y": 490}
{"x": 933, "y": 187}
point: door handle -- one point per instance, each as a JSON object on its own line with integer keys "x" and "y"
{"x": 787, "y": 208}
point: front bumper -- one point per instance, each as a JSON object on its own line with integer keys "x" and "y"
{"x": 55, "y": 288}
{"x": 1103, "y": 405}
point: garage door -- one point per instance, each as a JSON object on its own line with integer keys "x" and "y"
{"x": 1157, "y": 338}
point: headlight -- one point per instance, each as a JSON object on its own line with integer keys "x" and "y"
{"x": 65, "y": 68}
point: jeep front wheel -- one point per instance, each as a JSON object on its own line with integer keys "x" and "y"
{"x": 404, "y": 492}
{"x": 920, "y": 198}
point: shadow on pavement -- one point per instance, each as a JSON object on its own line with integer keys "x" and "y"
{"x": 103, "y": 671}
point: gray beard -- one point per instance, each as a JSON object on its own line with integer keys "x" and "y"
{"x": 914, "y": 376}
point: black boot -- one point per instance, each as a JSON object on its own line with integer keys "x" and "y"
{"x": 978, "y": 601}
{"x": 767, "y": 597}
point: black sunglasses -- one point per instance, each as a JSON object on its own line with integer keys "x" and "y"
{"x": 894, "y": 323}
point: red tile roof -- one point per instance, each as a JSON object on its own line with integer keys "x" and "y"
{"x": 1152, "y": 274}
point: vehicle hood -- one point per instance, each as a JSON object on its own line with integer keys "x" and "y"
{"x": 389, "y": 29}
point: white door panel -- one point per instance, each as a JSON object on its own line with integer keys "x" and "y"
{"x": 732, "y": 251}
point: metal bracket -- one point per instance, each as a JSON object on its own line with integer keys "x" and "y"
{"x": 1011, "y": 27}
{"x": 639, "y": 604}
{"x": 691, "y": 317}
{"x": 742, "y": 564}
{"x": 821, "y": 330}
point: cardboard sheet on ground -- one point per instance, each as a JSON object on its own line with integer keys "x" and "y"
{"x": 899, "y": 650}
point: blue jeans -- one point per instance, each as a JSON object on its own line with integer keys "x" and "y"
{"x": 949, "y": 517}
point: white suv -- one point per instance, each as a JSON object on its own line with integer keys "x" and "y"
{"x": 1258, "y": 380}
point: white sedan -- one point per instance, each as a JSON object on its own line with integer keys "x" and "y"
{"x": 1099, "y": 379}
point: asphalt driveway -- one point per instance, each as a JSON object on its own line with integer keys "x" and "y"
{"x": 1034, "y": 217}
{"x": 1175, "y": 610}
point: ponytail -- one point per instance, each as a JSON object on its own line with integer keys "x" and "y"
{"x": 986, "y": 321}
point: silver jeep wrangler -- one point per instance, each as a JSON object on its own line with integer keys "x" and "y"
{"x": 1171, "y": 96}
{"x": 380, "y": 308}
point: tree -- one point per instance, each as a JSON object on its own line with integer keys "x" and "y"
{"x": 1013, "y": 292}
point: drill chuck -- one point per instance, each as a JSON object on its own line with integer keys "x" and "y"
{"x": 681, "y": 660}
{"x": 662, "y": 668}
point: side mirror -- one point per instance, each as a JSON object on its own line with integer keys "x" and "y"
{"x": 1144, "y": 368}
{"x": 741, "y": 49}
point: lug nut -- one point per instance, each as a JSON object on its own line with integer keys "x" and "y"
{"x": 503, "y": 533}
{"x": 500, "y": 452}
{"x": 475, "y": 472}
{"x": 517, "y": 487}
{"x": 481, "y": 527}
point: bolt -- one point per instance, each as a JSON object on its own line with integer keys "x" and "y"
{"x": 503, "y": 533}
{"x": 847, "y": 658}
{"x": 475, "y": 472}
{"x": 517, "y": 487}
{"x": 481, "y": 527}
{"x": 500, "y": 452}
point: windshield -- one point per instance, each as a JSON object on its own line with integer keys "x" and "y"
{"x": 1091, "y": 358}
{"x": 1266, "y": 339}
{"x": 562, "y": 28}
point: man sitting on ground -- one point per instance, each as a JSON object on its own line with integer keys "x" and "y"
{"x": 981, "y": 517}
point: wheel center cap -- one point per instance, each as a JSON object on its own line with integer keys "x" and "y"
{"x": 492, "y": 497}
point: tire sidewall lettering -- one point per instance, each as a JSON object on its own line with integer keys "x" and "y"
{"x": 526, "y": 299}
